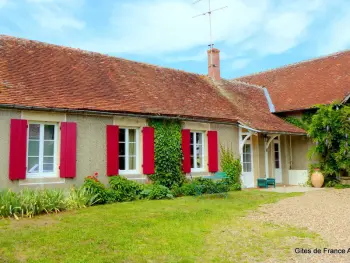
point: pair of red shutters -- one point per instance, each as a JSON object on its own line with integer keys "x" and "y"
{"x": 18, "y": 150}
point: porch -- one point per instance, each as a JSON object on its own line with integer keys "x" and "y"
{"x": 268, "y": 155}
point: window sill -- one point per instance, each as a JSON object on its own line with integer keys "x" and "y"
{"x": 41, "y": 181}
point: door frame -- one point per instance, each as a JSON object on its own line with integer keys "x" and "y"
{"x": 277, "y": 140}
{"x": 242, "y": 142}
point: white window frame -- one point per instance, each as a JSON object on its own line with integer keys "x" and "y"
{"x": 42, "y": 174}
{"x": 127, "y": 171}
{"x": 195, "y": 168}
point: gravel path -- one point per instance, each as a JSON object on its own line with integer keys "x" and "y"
{"x": 326, "y": 212}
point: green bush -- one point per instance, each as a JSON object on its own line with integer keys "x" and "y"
{"x": 96, "y": 188}
{"x": 28, "y": 203}
{"x": 189, "y": 189}
{"x": 205, "y": 186}
{"x": 341, "y": 186}
{"x": 231, "y": 166}
{"x": 9, "y": 204}
{"x": 80, "y": 198}
{"x": 124, "y": 189}
{"x": 158, "y": 191}
{"x": 177, "y": 191}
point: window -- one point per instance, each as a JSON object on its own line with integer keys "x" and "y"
{"x": 128, "y": 150}
{"x": 277, "y": 155}
{"x": 197, "y": 151}
{"x": 42, "y": 149}
{"x": 247, "y": 158}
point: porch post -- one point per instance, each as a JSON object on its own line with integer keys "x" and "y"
{"x": 266, "y": 159}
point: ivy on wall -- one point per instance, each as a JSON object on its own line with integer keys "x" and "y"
{"x": 168, "y": 152}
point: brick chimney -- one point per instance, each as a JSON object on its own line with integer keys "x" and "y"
{"x": 214, "y": 63}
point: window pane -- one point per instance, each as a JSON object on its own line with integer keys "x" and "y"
{"x": 277, "y": 156}
{"x": 192, "y": 150}
{"x": 198, "y": 138}
{"x": 199, "y": 161}
{"x": 244, "y": 167}
{"x": 33, "y": 148}
{"x": 33, "y": 164}
{"x": 277, "y": 164}
{"x": 47, "y": 168}
{"x": 121, "y": 148}
{"x": 48, "y": 160}
{"x": 276, "y": 147}
{"x": 249, "y": 167}
{"x": 48, "y": 148}
{"x": 34, "y": 131}
{"x": 246, "y": 148}
{"x": 132, "y": 148}
{"x": 49, "y": 132}
{"x": 132, "y": 163}
{"x": 121, "y": 163}
{"x": 132, "y": 135}
{"x": 192, "y": 162}
{"x": 191, "y": 138}
{"x": 122, "y": 135}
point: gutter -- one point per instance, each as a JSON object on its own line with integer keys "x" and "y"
{"x": 108, "y": 113}
{"x": 270, "y": 132}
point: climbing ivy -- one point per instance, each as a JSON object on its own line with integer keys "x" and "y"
{"x": 168, "y": 153}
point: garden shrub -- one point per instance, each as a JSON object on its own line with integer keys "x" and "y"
{"x": 231, "y": 166}
{"x": 96, "y": 188}
{"x": 124, "y": 189}
{"x": 176, "y": 191}
{"x": 189, "y": 189}
{"x": 80, "y": 198}
{"x": 158, "y": 191}
{"x": 168, "y": 152}
{"x": 330, "y": 131}
{"x": 31, "y": 202}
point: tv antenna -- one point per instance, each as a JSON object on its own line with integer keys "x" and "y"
{"x": 209, "y": 13}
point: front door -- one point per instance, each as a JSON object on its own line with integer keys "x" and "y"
{"x": 247, "y": 162}
{"x": 277, "y": 160}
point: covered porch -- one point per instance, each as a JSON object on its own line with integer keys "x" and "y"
{"x": 281, "y": 156}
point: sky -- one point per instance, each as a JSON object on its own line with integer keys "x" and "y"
{"x": 253, "y": 35}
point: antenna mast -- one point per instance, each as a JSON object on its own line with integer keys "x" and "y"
{"x": 209, "y": 13}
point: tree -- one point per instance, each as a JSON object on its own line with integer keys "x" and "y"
{"x": 330, "y": 131}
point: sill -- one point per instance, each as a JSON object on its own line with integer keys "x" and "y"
{"x": 197, "y": 170}
{"x": 129, "y": 172}
{"x": 41, "y": 181}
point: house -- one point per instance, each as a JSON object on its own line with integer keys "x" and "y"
{"x": 66, "y": 113}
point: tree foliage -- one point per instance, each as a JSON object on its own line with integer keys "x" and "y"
{"x": 330, "y": 131}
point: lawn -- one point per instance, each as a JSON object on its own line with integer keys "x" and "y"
{"x": 188, "y": 229}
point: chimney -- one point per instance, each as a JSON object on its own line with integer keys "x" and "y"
{"x": 214, "y": 63}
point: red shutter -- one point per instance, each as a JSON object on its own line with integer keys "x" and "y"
{"x": 148, "y": 150}
{"x": 18, "y": 149}
{"x": 112, "y": 150}
{"x": 213, "y": 151}
{"x": 68, "y": 164}
{"x": 186, "y": 151}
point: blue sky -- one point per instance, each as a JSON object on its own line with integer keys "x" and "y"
{"x": 253, "y": 35}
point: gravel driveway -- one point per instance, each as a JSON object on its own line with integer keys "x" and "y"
{"x": 326, "y": 212}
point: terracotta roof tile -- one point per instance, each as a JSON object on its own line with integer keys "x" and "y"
{"x": 302, "y": 85}
{"x": 36, "y": 74}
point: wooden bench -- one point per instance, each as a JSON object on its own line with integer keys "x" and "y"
{"x": 265, "y": 182}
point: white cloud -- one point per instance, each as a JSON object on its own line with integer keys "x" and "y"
{"x": 160, "y": 27}
{"x": 2, "y": 3}
{"x": 56, "y": 19}
{"x": 336, "y": 37}
{"x": 240, "y": 63}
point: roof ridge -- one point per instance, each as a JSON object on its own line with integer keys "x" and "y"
{"x": 246, "y": 83}
{"x": 293, "y": 64}
{"x": 93, "y": 53}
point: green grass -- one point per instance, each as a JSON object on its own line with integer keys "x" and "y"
{"x": 188, "y": 229}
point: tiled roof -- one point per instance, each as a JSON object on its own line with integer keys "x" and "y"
{"x": 302, "y": 85}
{"x": 251, "y": 106}
{"x": 40, "y": 75}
